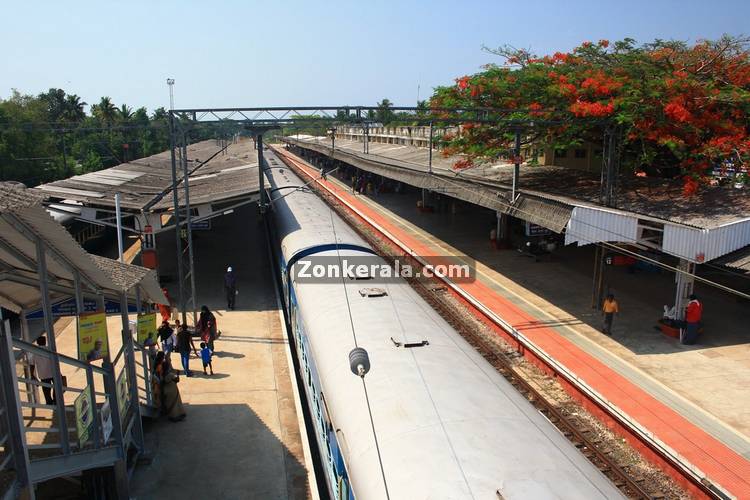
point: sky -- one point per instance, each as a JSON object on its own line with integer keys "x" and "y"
{"x": 317, "y": 53}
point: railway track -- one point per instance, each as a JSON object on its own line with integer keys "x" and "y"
{"x": 571, "y": 426}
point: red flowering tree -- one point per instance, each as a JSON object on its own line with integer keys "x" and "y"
{"x": 680, "y": 109}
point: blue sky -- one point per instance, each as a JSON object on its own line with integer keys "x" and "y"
{"x": 248, "y": 53}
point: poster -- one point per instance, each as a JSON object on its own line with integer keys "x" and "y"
{"x": 93, "y": 343}
{"x": 106, "y": 413}
{"x": 84, "y": 414}
{"x": 122, "y": 393}
{"x": 146, "y": 325}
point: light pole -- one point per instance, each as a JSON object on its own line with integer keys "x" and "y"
{"x": 170, "y": 82}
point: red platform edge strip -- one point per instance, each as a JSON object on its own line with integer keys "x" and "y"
{"x": 721, "y": 465}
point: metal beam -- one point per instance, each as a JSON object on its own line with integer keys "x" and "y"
{"x": 50, "y": 327}
{"x": 16, "y": 432}
{"x": 176, "y": 213}
{"x": 66, "y": 465}
{"x": 18, "y": 254}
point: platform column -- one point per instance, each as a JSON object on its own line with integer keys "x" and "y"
{"x": 684, "y": 280}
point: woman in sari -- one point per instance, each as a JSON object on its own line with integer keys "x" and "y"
{"x": 169, "y": 398}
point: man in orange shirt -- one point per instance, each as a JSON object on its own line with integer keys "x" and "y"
{"x": 693, "y": 315}
{"x": 609, "y": 309}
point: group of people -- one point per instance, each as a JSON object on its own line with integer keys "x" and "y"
{"x": 689, "y": 327}
{"x": 164, "y": 378}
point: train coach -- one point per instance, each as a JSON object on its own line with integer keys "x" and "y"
{"x": 431, "y": 419}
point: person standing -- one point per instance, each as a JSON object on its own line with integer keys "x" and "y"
{"x": 184, "y": 343}
{"x": 43, "y": 368}
{"x": 609, "y": 309}
{"x": 206, "y": 356}
{"x": 165, "y": 335}
{"x": 230, "y": 287}
{"x": 693, "y": 315}
{"x": 207, "y": 324}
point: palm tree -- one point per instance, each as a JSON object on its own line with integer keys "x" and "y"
{"x": 124, "y": 113}
{"x": 105, "y": 110}
{"x": 73, "y": 110}
{"x": 384, "y": 113}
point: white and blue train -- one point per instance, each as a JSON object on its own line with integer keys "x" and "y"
{"x": 444, "y": 423}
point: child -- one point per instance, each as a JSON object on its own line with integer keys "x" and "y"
{"x": 206, "y": 355}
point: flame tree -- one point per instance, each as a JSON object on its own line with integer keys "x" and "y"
{"x": 680, "y": 109}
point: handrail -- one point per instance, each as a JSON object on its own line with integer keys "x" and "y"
{"x": 36, "y": 350}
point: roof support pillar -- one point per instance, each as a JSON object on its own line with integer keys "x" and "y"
{"x": 684, "y": 281}
{"x": 127, "y": 342}
{"x": 41, "y": 260}
{"x": 176, "y": 212}
{"x": 78, "y": 294}
{"x": 12, "y": 404}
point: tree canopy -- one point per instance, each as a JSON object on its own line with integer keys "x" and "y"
{"x": 50, "y": 136}
{"x": 678, "y": 108}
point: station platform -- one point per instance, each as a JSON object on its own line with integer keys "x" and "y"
{"x": 692, "y": 398}
{"x": 244, "y": 434}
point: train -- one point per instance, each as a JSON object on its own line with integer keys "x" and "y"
{"x": 430, "y": 418}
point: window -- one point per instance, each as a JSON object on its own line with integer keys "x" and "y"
{"x": 580, "y": 153}
{"x": 561, "y": 153}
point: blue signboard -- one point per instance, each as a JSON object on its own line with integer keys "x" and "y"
{"x": 67, "y": 307}
{"x": 201, "y": 225}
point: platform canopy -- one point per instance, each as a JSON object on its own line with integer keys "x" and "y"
{"x": 222, "y": 175}
{"x": 30, "y": 237}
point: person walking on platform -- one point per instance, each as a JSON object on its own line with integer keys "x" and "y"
{"x": 184, "y": 344}
{"x": 43, "y": 368}
{"x": 693, "y": 315}
{"x": 207, "y": 327}
{"x": 165, "y": 336}
{"x": 609, "y": 309}
{"x": 230, "y": 287}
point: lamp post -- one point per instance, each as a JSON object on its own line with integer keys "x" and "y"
{"x": 170, "y": 82}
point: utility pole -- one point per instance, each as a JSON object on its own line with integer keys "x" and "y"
{"x": 429, "y": 164}
{"x": 516, "y": 165}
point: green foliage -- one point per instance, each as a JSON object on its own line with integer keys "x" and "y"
{"x": 50, "y": 136}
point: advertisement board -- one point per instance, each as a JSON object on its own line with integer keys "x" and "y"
{"x": 93, "y": 342}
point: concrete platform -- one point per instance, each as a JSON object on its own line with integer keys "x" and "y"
{"x": 242, "y": 436}
{"x": 693, "y": 398}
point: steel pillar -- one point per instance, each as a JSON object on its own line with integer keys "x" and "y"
{"x": 49, "y": 325}
{"x": 12, "y": 403}
{"x": 189, "y": 230}
{"x": 261, "y": 180}
{"x": 429, "y": 161}
{"x": 176, "y": 215}
{"x": 516, "y": 165}
{"x": 684, "y": 283}
{"x": 127, "y": 342}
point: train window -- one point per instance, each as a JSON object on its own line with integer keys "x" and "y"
{"x": 372, "y": 292}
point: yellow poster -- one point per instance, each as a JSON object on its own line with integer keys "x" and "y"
{"x": 146, "y": 326}
{"x": 93, "y": 343}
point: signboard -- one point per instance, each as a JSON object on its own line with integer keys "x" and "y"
{"x": 122, "y": 393}
{"x": 67, "y": 307}
{"x": 84, "y": 415}
{"x": 106, "y": 413}
{"x": 536, "y": 230}
{"x": 93, "y": 343}
{"x": 201, "y": 225}
{"x": 146, "y": 325}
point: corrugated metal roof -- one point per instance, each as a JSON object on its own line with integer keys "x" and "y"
{"x": 23, "y": 219}
{"x": 145, "y": 184}
{"x": 736, "y": 260}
